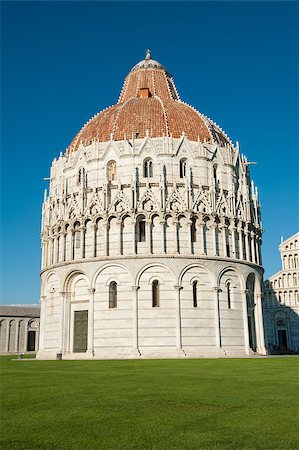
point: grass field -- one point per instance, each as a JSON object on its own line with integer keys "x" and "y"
{"x": 150, "y": 404}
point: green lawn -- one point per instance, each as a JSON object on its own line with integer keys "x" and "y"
{"x": 150, "y": 404}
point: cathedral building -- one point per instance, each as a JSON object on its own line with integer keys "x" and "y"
{"x": 281, "y": 300}
{"x": 151, "y": 234}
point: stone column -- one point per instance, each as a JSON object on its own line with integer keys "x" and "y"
{"x": 213, "y": 229}
{"x": 175, "y": 237}
{"x": 257, "y": 253}
{"x": 223, "y": 230}
{"x": 90, "y": 345}
{"x": 67, "y": 322}
{"x": 162, "y": 223}
{"x": 106, "y": 238}
{"x": 72, "y": 244}
{"x": 82, "y": 240}
{"x": 135, "y": 317}
{"x": 133, "y": 224}
{"x": 191, "y": 244}
{"x": 241, "y": 250}
{"x": 52, "y": 243}
{"x": 245, "y": 322}
{"x": 62, "y": 326}
{"x": 259, "y": 326}
{"x": 42, "y": 323}
{"x": 246, "y": 233}
{"x": 178, "y": 318}
{"x": 26, "y": 335}
{"x": 37, "y": 337}
{"x": 58, "y": 248}
{"x": 120, "y": 225}
{"x": 201, "y": 237}
{"x": 253, "y": 256}
{"x": 149, "y": 237}
{"x": 260, "y": 250}
{"x": 94, "y": 227}
{"x": 43, "y": 253}
{"x": 63, "y": 236}
{"x": 17, "y": 336}
{"x": 46, "y": 254}
{"x": 217, "y": 318}
{"x": 7, "y": 336}
{"x": 233, "y": 231}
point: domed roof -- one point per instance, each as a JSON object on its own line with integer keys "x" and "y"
{"x": 149, "y": 104}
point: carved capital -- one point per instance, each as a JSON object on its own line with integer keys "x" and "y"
{"x": 178, "y": 287}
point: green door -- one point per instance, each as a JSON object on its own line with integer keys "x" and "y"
{"x": 80, "y": 331}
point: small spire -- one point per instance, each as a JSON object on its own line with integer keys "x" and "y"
{"x": 147, "y": 54}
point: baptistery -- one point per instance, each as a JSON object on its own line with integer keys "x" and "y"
{"x": 151, "y": 234}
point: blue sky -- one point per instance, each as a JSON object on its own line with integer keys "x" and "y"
{"x": 236, "y": 62}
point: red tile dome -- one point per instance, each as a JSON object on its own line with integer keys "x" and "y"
{"x": 149, "y": 104}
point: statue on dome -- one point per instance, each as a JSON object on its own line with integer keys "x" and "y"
{"x": 148, "y": 53}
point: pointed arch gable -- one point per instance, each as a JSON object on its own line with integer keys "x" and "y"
{"x": 148, "y": 148}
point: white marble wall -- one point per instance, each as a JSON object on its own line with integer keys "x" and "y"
{"x": 175, "y": 328}
{"x": 199, "y": 227}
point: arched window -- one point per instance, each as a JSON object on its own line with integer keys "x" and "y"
{"x": 183, "y": 167}
{"x": 155, "y": 294}
{"x": 194, "y": 291}
{"x": 141, "y": 230}
{"x": 111, "y": 171}
{"x": 228, "y": 294}
{"x": 148, "y": 168}
{"x": 58, "y": 249}
{"x": 285, "y": 262}
{"x": 77, "y": 235}
{"x": 113, "y": 294}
